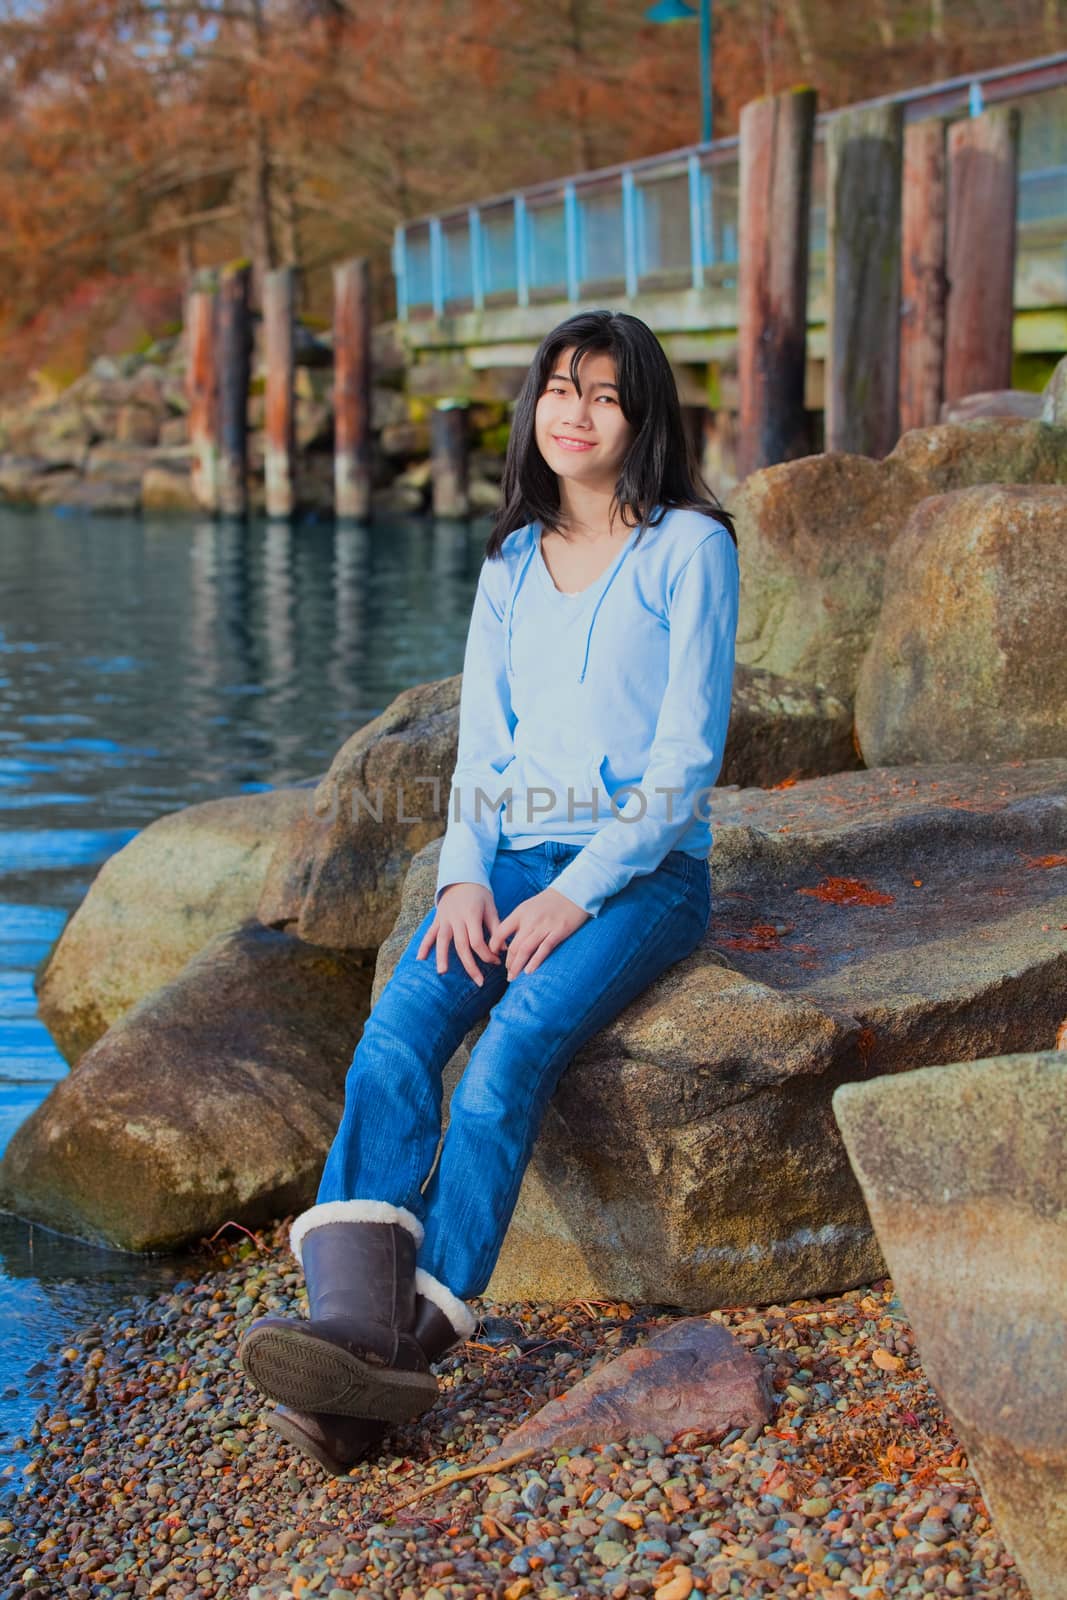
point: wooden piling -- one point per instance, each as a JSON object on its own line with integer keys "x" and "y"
{"x": 279, "y": 288}
{"x": 864, "y": 171}
{"x": 235, "y": 360}
{"x": 983, "y": 158}
{"x": 777, "y": 141}
{"x": 923, "y": 281}
{"x": 201, "y": 387}
{"x": 352, "y": 388}
{"x": 449, "y": 459}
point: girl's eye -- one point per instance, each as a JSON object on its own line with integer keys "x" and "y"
{"x": 555, "y": 388}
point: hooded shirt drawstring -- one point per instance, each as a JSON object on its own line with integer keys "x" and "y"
{"x": 513, "y": 596}
{"x": 596, "y": 608}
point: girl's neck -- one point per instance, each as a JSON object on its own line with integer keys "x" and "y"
{"x": 586, "y": 513}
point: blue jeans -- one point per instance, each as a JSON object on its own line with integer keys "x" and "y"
{"x": 385, "y": 1145}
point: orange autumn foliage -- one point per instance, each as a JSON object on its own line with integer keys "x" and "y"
{"x": 141, "y": 139}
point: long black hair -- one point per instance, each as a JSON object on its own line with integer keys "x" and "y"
{"x": 660, "y": 466}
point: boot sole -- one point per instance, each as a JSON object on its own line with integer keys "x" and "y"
{"x": 294, "y": 1433}
{"x": 311, "y": 1374}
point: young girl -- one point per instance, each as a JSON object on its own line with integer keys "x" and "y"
{"x": 574, "y": 871}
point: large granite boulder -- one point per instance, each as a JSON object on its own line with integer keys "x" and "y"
{"x": 336, "y": 875}
{"x": 814, "y": 535}
{"x": 870, "y": 922}
{"x": 156, "y": 902}
{"x": 216, "y": 1097}
{"x": 966, "y": 661}
{"x": 993, "y": 403}
{"x": 961, "y": 455}
{"x": 781, "y": 730}
{"x": 167, "y": 489}
{"x": 964, "y": 1170}
{"x": 1054, "y": 398}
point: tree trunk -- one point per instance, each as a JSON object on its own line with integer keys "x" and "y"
{"x": 583, "y": 150}
{"x": 261, "y": 244}
{"x": 798, "y": 23}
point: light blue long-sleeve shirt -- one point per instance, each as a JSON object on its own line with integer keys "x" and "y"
{"x": 567, "y": 698}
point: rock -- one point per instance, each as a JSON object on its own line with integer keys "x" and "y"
{"x": 137, "y": 424}
{"x": 993, "y": 403}
{"x": 174, "y": 431}
{"x": 59, "y": 434}
{"x": 175, "y": 397}
{"x": 1054, "y": 398}
{"x": 404, "y": 439}
{"x": 21, "y": 476}
{"x": 813, "y": 537}
{"x": 419, "y": 475}
{"x": 164, "y": 490}
{"x": 314, "y": 425}
{"x": 692, "y": 1377}
{"x": 960, "y": 455}
{"x": 205, "y": 866}
{"x": 483, "y": 496}
{"x": 388, "y": 407}
{"x": 873, "y": 921}
{"x": 966, "y": 661}
{"x": 336, "y": 875}
{"x": 399, "y": 499}
{"x": 963, "y": 1168}
{"x": 216, "y": 1097}
{"x": 146, "y": 388}
{"x": 104, "y": 498}
{"x": 781, "y": 729}
{"x": 117, "y": 463}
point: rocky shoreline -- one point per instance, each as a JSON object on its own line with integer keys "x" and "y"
{"x": 154, "y": 1473}
{"x": 116, "y": 442}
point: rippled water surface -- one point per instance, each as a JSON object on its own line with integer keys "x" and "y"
{"x": 145, "y": 666}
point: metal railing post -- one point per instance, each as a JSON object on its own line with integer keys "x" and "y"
{"x": 522, "y": 282}
{"x": 629, "y": 230}
{"x": 400, "y": 270}
{"x": 437, "y": 267}
{"x": 571, "y": 221}
{"x": 696, "y": 221}
{"x": 474, "y": 223}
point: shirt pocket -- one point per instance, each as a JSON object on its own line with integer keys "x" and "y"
{"x": 562, "y": 788}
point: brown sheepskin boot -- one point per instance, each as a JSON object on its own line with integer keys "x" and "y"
{"x": 338, "y": 1443}
{"x": 357, "y": 1355}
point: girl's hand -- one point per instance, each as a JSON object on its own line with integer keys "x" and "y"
{"x": 461, "y": 912}
{"x": 536, "y": 927}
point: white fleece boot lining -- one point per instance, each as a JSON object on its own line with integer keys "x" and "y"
{"x": 457, "y": 1311}
{"x": 351, "y": 1211}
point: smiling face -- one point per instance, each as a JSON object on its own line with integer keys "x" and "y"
{"x": 583, "y": 437}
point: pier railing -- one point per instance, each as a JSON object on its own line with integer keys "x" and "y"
{"x": 671, "y": 221}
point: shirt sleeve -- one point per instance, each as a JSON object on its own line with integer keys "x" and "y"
{"x": 485, "y": 748}
{"x": 687, "y": 747}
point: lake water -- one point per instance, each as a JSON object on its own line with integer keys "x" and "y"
{"x": 146, "y": 666}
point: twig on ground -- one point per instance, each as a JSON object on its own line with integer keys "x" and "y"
{"x": 458, "y": 1477}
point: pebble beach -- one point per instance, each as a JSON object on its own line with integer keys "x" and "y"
{"x": 153, "y": 1473}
